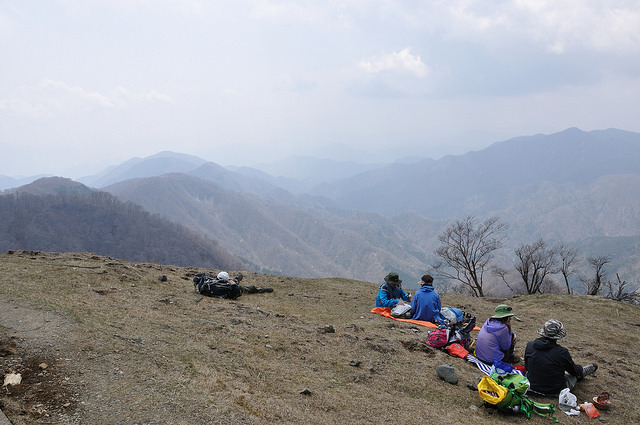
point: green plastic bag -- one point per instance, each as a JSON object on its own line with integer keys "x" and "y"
{"x": 514, "y": 381}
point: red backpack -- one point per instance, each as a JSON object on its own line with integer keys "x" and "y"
{"x": 438, "y": 338}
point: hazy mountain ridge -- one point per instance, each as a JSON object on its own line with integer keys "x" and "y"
{"x": 7, "y": 183}
{"x": 480, "y": 182}
{"x": 298, "y": 174}
{"x": 54, "y": 186}
{"x": 609, "y": 207}
{"x": 155, "y": 165}
{"x": 59, "y": 215}
{"x": 273, "y": 235}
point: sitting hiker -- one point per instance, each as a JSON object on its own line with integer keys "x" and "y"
{"x": 426, "y": 302}
{"x": 496, "y": 340}
{"x": 550, "y": 368}
{"x": 391, "y": 292}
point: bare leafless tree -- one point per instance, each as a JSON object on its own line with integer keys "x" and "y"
{"x": 537, "y": 261}
{"x": 569, "y": 260}
{"x": 502, "y": 274}
{"x": 618, "y": 291}
{"x": 594, "y": 284}
{"x": 467, "y": 249}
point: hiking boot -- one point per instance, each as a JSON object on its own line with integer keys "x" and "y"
{"x": 589, "y": 369}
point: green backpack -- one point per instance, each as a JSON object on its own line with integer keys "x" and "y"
{"x": 509, "y": 400}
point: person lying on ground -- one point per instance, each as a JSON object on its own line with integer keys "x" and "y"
{"x": 391, "y": 292}
{"x": 249, "y": 289}
{"x": 550, "y": 368}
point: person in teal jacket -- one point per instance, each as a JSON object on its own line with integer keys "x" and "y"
{"x": 391, "y": 292}
{"x": 426, "y": 302}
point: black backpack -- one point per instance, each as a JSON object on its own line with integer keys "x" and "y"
{"x": 209, "y": 286}
{"x": 461, "y": 332}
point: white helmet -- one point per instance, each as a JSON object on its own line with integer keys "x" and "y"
{"x": 223, "y": 276}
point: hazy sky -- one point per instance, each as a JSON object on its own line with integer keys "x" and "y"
{"x": 96, "y": 82}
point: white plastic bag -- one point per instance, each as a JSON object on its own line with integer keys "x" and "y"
{"x": 568, "y": 402}
{"x": 401, "y": 310}
{"x": 450, "y": 316}
{"x": 567, "y": 398}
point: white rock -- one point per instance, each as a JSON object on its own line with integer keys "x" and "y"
{"x": 12, "y": 379}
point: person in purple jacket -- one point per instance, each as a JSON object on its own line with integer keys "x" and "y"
{"x": 496, "y": 340}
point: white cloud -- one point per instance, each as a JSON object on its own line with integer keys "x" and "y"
{"x": 322, "y": 14}
{"x": 78, "y": 94}
{"x": 556, "y": 25}
{"x": 285, "y": 11}
{"x": 131, "y": 7}
{"x": 7, "y": 26}
{"x": 50, "y": 98}
{"x": 155, "y": 95}
{"x": 400, "y": 62}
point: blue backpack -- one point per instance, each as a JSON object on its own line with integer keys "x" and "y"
{"x": 449, "y": 316}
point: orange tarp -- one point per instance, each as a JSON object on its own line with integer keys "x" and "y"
{"x": 386, "y": 312}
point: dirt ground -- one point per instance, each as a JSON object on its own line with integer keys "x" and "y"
{"x": 70, "y": 377}
{"x": 75, "y": 371}
{"x": 36, "y": 344}
{"x": 101, "y": 341}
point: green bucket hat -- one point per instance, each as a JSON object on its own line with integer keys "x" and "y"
{"x": 501, "y": 311}
{"x": 393, "y": 278}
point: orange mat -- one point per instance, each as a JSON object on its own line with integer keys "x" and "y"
{"x": 386, "y": 312}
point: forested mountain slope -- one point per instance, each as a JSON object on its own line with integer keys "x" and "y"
{"x": 278, "y": 236}
{"x": 60, "y": 215}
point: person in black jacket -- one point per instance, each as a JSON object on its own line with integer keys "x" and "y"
{"x": 550, "y": 368}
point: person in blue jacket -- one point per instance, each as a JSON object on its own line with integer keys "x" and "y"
{"x": 496, "y": 340}
{"x": 426, "y": 302}
{"x": 391, "y": 292}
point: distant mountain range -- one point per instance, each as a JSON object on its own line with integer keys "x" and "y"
{"x": 494, "y": 178}
{"x": 158, "y": 164}
{"x": 360, "y": 221}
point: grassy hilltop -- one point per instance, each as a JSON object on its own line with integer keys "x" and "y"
{"x": 103, "y": 341}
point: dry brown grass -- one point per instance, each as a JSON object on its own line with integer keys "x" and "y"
{"x": 124, "y": 347}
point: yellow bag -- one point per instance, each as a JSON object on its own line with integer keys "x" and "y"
{"x": 494, "y": 393}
